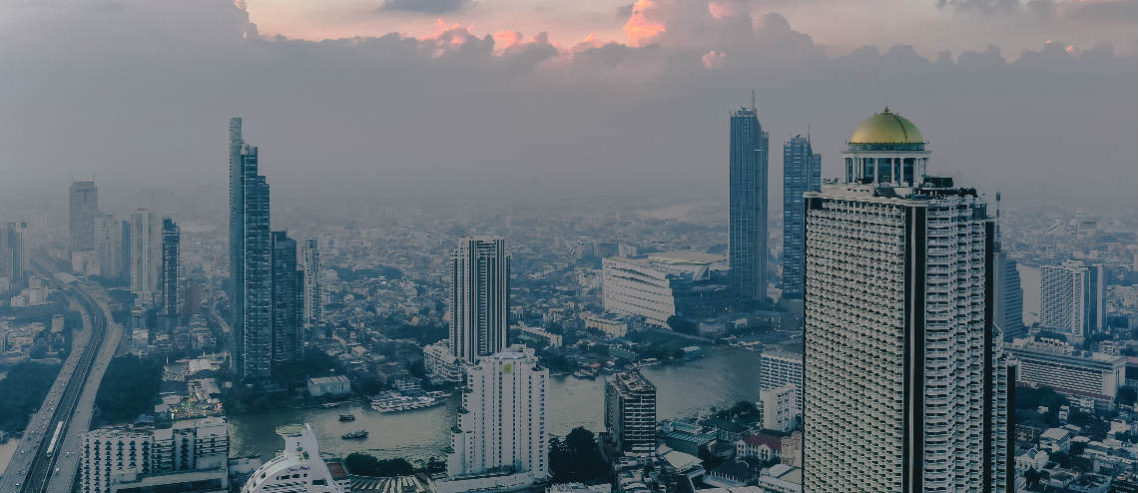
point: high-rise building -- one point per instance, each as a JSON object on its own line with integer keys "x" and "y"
{"x": 801, "y": 172}
{"x": 287, "y": 297}
{"x": 298, "y": 468}
{"x": 1009, "y": 292}
{"x": 313, "y": 288}
{"x": 84, "y": 207}
{"x": 779, "y": 408}
{"x": 747, "y": 242}
{"x": 13, "y": 252}
{"x": 907, "y": 382}
{"x": 1072, "y": 299}
{"x": 143, "y": 269}
{"x": 501, "y": 441}
{"x": 127, "y": 244}
{"x": 479, "y": 297}
{"x": 109, "y": 246}
{"x": 781, "y": 368}
{"x": 630, "y": 412}
{"x": 250, "y": 260}
{"x": 169, "y": 275}
{"x": 188, "y": 455}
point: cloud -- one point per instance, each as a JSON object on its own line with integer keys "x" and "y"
{"x": 1107, "y": 11}
{"x": 641, "y": 29}
{"x": 426, "y": 6}
{"x": 988, "y": 6}
{"x": 459, "y": 112}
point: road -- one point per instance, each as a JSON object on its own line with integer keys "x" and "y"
{"x": 35, "y": 468}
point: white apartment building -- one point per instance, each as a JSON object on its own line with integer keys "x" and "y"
{"x": 143, "y": 269}
{"x": 778, "y": 408}
{"x": 905, "y": 377}
{"x": 117, "y": 456}
{"x": 441, "y": 364}
{"x": 781, "y": 368}
{"x": 1058, "y": 365}
{"x": 648, "y": 287}
{"x": 298, "y": 468}
{"x": 1072, "y": 299}
{"x": 500, "y": 441}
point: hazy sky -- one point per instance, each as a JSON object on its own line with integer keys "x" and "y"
{"x": 444, "y": 98}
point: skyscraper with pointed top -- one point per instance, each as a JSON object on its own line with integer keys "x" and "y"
{"x": 250, "y": 259}
{"x": 747, "y": 242}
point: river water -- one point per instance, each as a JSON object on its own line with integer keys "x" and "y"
{"x": 724, "y": 376}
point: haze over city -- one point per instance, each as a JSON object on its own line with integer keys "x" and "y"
{"x": 593, "y": 246}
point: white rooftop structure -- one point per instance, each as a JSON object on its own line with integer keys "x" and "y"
{"x": 297, "y": 469}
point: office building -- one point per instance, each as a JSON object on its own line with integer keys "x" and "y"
{"x": 287, "y": 299}
{"x": 781, "y": 368}
{"x": 747, "y": 243}
{"x": 500, "y": 441}
{"x": 663, "y": 285}
{"x": 779, "y": 408}
{"x": 313, "y": 287}
{"x": 1073, "y": 301}
{"x": 13, "y": 253}
{"x": 1056, "y": 364}
{"x": 298, "y": 468}
{"x": 109, "y": 246}
{"x": 801, "y": 172}
{"x": 630, "y": 412}
{"x": 189, "y": 455}
{"x": 906, "y": 377}
{"x": 250, "y": 260}
{"x": 84, "y": 208}
{"x": 479, "y": 297}
{"x": 1009, "y": 292}
{"x": 143, "y": 269}
{"x": 169, "y": 276}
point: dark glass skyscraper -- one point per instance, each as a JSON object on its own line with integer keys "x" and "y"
{"x": 169, "y": 274}
{"x": 747, "y": 245}
{"x": 249, "y": 260}
{"x": 801, "y": 172}
{"x": 287, "y": 297}
{"x": 479, "y": 297}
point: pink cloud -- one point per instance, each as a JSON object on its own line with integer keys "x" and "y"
{"x": 639, "y": 29}
{"x": 713, "y": 59}
{"x": 504, "y": 40}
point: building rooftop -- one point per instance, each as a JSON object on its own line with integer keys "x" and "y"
{"x": 886, "y": 128}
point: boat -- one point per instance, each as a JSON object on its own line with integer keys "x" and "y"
{"x": 330, "y": 405}
{"x": 394, "y": 402}
{"x": 354, "y": 435}
{"x": 585, "y": 374}
{"x": 347, "y": 417}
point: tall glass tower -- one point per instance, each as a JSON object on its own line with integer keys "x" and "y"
{"x": 313, "y": 288}
{"x": 250, "y": 259}
{"x": 169, "y": 273}
{"x": 801, "y": 172}
{"x": 907, "y": 382}
{"x": 480, "y": 297}
{"x": 286, "y": 299}
{"x": 747, "y": 245}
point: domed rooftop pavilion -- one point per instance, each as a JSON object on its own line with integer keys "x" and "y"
{"x": 886, "y": 148}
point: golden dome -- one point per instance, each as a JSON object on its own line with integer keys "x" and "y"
{"x": 886, "y": 128}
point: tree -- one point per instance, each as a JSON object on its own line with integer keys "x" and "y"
{"x": 577, "y": 458}
{"x": 129, "y": 388}
{"x": 1127, "y": 396}
{"x": 682, "y": 325}
{"x": 367, "y": 465}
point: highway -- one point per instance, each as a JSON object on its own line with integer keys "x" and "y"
{"x": 34, "y": 465}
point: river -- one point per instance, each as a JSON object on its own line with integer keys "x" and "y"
{"x": 724, "y": 376}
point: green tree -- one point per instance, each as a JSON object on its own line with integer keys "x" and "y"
{"x": 22, "y": 392}
{"x": 577, "y": 458}
{"x": 367, "y": 465}
{"x": 1127, "y": 396}
{"x": 129, "y": 388}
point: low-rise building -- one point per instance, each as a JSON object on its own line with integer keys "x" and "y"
{"x": 336, "y": 385}
{"x": 663, "y": 285}
{"x": 760, "y": 446}
{"x": 778, "y": 408}
{"x": 1055, "y": 440}
{"x": 298, "y": 468}
{"x": 441, "y": 364}
{"x": 1056, "y": 364}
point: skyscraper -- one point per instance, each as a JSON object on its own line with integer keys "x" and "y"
{"x": 13, "y": 252}
{"x": 747, "y": 244}
{"x": 1009, "y": 293}
{"x": 630, "y": 412}
{"x": 479, "y": 297}
{"x": 108, "y": 246}
{"x": 170, "y": 273}
{"x": 1072, "y": 299}
{"x": 801, "y": 172}
{"x": 143, "y": 282}
{"x": 500, "y": 441}
{"x": 906, "y": 378}
{"x": 250, "y": 259}
{"x": 84, "y": 198}
{"x": 286, "y": 299}
{"x": 313, "y": 288}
